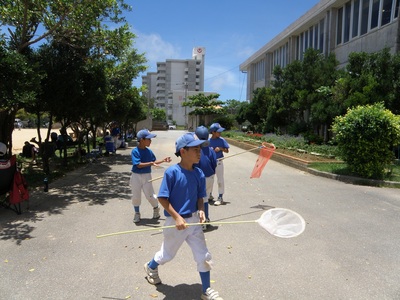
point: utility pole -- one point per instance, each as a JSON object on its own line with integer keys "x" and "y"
{"x": 185, "y": 84}
{"x": 186, "y": 92}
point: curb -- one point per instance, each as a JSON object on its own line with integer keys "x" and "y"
{"x": 302, "y": 165}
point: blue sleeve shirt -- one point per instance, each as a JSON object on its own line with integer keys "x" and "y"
{"x": 142, "y": 156}
{"x": 208, "y": 161}
{"x": 218, "y": 142}
{"x": 183, "y": 188}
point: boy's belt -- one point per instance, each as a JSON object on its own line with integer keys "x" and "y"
{"x": 187, "y": 215}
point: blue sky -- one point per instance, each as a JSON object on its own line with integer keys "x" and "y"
{"x": 231, "y": 31}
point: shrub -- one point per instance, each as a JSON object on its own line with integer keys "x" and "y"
{"x": 365, "y": 137}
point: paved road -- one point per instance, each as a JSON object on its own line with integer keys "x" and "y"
{"x": 349, "y": 250}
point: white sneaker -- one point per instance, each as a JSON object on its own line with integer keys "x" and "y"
{"x": 156, "y": 212}
{"x": 219, "y": 201}
{"x": 152, "y": 275}
{"x": 211, "y": 295}
{"x": 136, "y": 218}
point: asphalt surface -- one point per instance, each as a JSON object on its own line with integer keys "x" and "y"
{"x": 349, "y": 250}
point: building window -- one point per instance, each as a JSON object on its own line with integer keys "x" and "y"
{"x": 311, "y": 38}
{"x": 396, "y": 10}
{"x": 375, "y": 13}
{"x": 298, "y": 47}
{"x": 347, "y": 15}
{"x": 321, "y": 35}
{"x": 356, "y": 18}
{"x": 301, "y": 49}
{"x": 305, "y": 40}
{"x": 339, "y": 26}
{"x": 364, "y": 16}
{"x": 259, "y": 70}
{"x": 386, "y": 12}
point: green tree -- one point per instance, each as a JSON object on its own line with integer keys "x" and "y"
{"x": 19, "y": 84}
{"x": 138, "y": 109}
{"x": 78, "y": 24}
{"x": 66, "y": 21}
{"x": 120, "y": 74}
{"x": 371, "y": 78}
{"x": 158, "y": 114}
{"x": 365, "y": 137}
{"x": 232, "y": 106}
{"x": 287, "y": 82}
{"x": 205, "y": 105}
{"x": 241, "y": 112}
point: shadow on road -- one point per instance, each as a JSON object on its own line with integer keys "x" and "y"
{"x": 180, "y": 291}
{"x": 95, "y": 183}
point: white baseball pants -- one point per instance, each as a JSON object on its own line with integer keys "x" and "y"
{"x": 139, "y": 182}
{"x": 209, "y": 187}
{"x": 219, "y": 173}
{"x": 194, "y": 237}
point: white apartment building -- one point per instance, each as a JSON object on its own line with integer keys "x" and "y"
{"x": 174, "y": 81}
{"x": 331, "y": 26}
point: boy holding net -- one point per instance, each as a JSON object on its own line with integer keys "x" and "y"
{"x": 181, "y": 194}
{"x": 220, "y": 146}
{"x": 142, "y": 161}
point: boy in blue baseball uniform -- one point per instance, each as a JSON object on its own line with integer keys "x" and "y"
{"x": 220, "y": 146}
{"x": 207, "y": 163}
{"x": 181, "y": 194}
{"x": 142, "y": 161}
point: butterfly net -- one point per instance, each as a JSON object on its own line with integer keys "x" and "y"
{"x": 263, "y": 157}
{"x": 282, "y": 222}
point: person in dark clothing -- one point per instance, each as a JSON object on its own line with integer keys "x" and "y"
{"x": 29, "y": 151}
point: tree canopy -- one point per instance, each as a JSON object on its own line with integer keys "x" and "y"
{"x": 81, "y": 72}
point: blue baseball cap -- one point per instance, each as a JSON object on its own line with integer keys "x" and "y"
{"x": 216, "y": 127}
{"x": 145, "y": 134}
{"x": 189, "y": 139}
{"x": 202, "y": 132}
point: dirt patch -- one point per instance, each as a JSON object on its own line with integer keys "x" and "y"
{"x": 19, "y": 136}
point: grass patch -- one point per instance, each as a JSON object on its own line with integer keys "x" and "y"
{"x": 284, "y": 141}
{"x": 342, "y": 169}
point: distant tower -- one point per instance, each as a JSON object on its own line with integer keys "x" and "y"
{"x": 199, "y": 53}
{"x": 173, "y": 76}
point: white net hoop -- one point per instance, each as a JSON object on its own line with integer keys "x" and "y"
{"x": 282, "y": 222}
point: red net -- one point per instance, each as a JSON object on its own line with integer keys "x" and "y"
{"x": 265, "y": 154}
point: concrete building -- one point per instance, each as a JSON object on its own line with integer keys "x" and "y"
{"x": 331, "y": 26}
{"x": 174, "y": 78}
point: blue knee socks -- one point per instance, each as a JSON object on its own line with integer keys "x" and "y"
{"x": 205, "y": 280}
{"x": 153, "y": 265}
{"x": 136, "y": 209}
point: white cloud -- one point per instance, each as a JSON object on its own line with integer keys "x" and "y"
{"x": 220, "y": 80}
{"x": 155, "y": 48}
